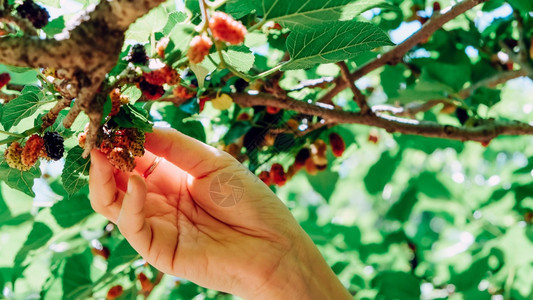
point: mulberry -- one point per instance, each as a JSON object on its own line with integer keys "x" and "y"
{"x": 115, "y": 292}
{"x": 277, "y": 175}
{"x": 36, "y": 14}
{"x": 121, "y": 159}
{"x": 13, "y": 157}
{"x": 227, "y": 29}
{"x": 32, "y": 150}
{"x": 265, "y": 177}
{"x": 337, "y": 144}
{"x": 182, "y": 93}
{"x": 53, "y": 143}
{"x": 199, "y": 48}
{"x": 146, "y": 284}
{"x": 114, "y": 95}
{"x": 138, "y": 55}
{"x": 301, "y": 158}
{"x": 161, "y": 46}
{"x": 4, "y": 79}
{"x": 151, "y": 91}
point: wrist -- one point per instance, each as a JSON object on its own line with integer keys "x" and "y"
{"x": 301, "y": 273}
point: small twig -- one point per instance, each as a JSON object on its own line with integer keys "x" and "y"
{"x": 358, "y": 97}
{"x": 492, "y": 81}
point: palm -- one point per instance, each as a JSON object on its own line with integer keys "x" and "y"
{"x": 179, "y": 229}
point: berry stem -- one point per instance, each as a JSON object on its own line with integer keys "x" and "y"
{"x": 16, "y": 136}
{"x": 12, "y": 134}
{"x": 268, "y": 72}
{"x": 257, "y": 25}
{"x": 205, "y": 17}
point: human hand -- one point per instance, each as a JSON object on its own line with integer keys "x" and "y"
{"x": 250, "y": 247}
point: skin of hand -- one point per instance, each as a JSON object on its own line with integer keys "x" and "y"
{"x": 254, "y": 249}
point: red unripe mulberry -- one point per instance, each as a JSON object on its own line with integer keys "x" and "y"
{"x": 199, "y": 49}
{"x": 337, "y": 144}
{"x": 265, "y": 177}
{"x": 227, "y": 29}
{"x": 32, "y": 150}
{"x": 277, "y": 175}
{"x": 4, "y": 79}
{"x": 114, "y": 292}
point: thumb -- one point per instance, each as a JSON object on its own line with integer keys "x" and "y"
{"x": 131, "y": 220}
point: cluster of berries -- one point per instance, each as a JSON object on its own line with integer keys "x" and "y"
{"x": 313, "y": 159}
{"x": 34, "y": 13}
{"x": 224, "y": 28}
{"x": 151, "y": 83}
{"x": 49, "y": 146}
{"x": 121, "y": 145}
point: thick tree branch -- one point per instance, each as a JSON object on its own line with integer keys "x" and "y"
{"x": 395, "y": 55}
{"x": 483, "y": 133}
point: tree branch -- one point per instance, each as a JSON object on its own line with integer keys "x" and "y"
{"x": 395, "y": 55}
{"x": 358, "y": 97}
{"x": 492, "y": 81}
{"x": 483, "y": 133}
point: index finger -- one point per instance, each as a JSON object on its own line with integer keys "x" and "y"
{"x": 105, "y": 198}
{"x": 189, "y": 154}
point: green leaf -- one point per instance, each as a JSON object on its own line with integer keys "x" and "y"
{"x": 55, "y": 26}
{"x": 77, "y": 275}
{"x": 401, "y": 209}
{"x": 130, "y": 116}
{"x": 237, "y": 130}
{"x": 181, "y": 36}
{"x": 200, "y": 72}
{"x": 177, "y": 119}
{"x": 68, "y": 212}
{"x": 122, "y": 254}
{"x": 76, "y": 171}
{"x": 486, "y": 96}
{"x": 472, "y": 276}
{"x": 19, "y": 180}
{"x": 22, "y": 107}
{"x": 154, "y": 21}
{"x": 332, "y": 42}
{"x": 381, "y": 172}
{"x": 5, "y": 213}
{"x": 397, "y": 285}
{"x": 525, "y": 6}
{"x": 239, "y": 57}
{"x": 238, "y": 8}
{"x": 427, "y": 144}
{"x": 454, "y": 76}
{"x": 304, "y": 13}
{"x": 324, "y": 183}
{"x": 429, "y": 184}
{"x": 38, "y": 237}
{"x": 174, "y": 18}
